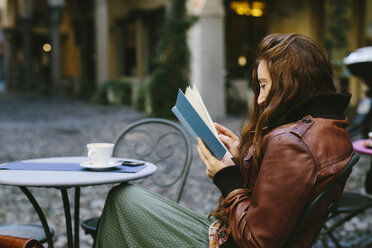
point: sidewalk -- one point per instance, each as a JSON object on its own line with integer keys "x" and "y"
{"x": 33, "y": 126}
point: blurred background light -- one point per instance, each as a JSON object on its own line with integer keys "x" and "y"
{"x": 242, "y": 60}
{"x": 47, "y": 47}
{"x": 255, "y": 8}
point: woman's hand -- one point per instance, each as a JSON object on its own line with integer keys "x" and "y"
{"x": 230, "y": 140}
{"x": 212, "y": 164}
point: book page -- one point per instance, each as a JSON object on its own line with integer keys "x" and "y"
{"x": 197, "y": 102}
{"x": 193, "y": 95}
{"x": 207, "y": 116}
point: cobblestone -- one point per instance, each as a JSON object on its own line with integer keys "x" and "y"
{"x": 33, "y": 126}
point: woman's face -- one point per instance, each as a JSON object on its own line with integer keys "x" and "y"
{"x": 264, "y": 81}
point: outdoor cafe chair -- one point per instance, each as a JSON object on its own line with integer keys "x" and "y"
{"x": 161, "y": 142}
{"x": 26, "y": 230}
{"x": 307, "y": 214}
{"x": 350, "y": 205}
{"x": 7, "y": 241}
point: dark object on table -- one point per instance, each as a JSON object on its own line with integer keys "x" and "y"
{"x": 161, "y": 142}
{"x": 132, "y": 163}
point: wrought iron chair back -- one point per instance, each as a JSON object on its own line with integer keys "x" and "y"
{"x": 161, "y": 142}
{"x": 164, "y": 143}
{"x": 307, "y": 213}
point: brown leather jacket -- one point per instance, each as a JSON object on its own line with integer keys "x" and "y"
{"x": 299, "y": 160}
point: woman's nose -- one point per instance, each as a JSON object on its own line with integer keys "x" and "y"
{"x": 260, "y": 99}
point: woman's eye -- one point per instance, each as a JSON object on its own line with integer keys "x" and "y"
{"x": 262, "y": 86}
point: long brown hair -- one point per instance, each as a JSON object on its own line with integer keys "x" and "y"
{"x": 299, "y": 67}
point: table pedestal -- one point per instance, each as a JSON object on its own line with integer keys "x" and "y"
{"x": 72, "y": 241}
{"x": 368, "y": 182}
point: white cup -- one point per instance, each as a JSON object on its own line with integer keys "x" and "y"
{"x": 100, "y": 153}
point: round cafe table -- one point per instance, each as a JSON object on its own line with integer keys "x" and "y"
{"x": 62, "y": 180}
{"x": 360, "y": 147}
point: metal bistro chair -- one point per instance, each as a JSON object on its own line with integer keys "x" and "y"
{"x": 349, "y": 205}
{"x": 43, "y": 233}
{"x": 161, "y": 142}
{"x": 26, "y": 231}
{"x": 314, "y": 205}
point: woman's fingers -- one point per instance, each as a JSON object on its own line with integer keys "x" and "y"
{"x": 201, "y": 154}
{"x": 212, "y": 164}
{"x": 205, "y": 156}
{"x": 223, "y": 130}
{"x": 226, "y": 140}
{"x": 205, "y": 151}
{"x": 231, "y": 145}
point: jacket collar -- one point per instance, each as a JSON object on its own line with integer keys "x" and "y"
{"x": 325, "y": 105}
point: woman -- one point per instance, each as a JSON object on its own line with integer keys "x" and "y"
{"x": 293, "y": 145}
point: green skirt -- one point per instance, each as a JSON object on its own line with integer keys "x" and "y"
{"x": 135, "y": 217}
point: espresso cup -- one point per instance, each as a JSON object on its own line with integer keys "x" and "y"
{"x": 100, "y": 153}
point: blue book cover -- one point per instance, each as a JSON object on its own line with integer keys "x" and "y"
{"x": 195, "y": 125}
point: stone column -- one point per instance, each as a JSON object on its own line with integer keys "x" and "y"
{"x": 206, "y": 42}
{"x": 55, "y": 18}
{"x": 102, "y": 35}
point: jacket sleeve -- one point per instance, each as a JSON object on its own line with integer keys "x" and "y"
{"x": 266, "y": 216}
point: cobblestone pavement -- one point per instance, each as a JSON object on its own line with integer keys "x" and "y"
{"x": 33, "y": 126}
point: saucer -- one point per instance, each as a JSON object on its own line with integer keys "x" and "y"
{"x": 93, "y": 166}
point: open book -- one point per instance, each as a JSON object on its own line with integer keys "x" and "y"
{"x": 193, "y": 115}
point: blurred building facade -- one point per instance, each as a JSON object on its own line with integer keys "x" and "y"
{"x": 71, "y": 44}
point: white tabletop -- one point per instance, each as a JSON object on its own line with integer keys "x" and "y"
{"x": 44, "y": 178}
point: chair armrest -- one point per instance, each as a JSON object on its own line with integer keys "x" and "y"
{"x": 16, "y": 242}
